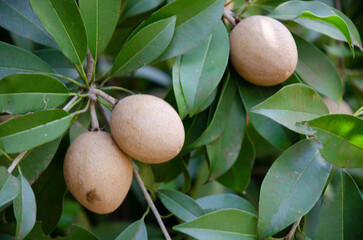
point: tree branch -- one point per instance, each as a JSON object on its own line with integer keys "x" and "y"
{"x": 151, "y": 204}
{"x": 293, "y": 229}
{"x": 90, "y": 64}
{"x": 16, "y": 161}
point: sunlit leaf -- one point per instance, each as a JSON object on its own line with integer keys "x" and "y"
{"x": 341, "y": 137}
{"x": 291, "y": 104}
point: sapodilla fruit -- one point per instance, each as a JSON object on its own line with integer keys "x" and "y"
{"x": 147, "y": 128}
{"x": 97, "y": 172}
{"x": 334, "y": 108}
{"x": 263, "y": 51}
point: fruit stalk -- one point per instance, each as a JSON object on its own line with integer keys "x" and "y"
{"x": 95, "y": 125}
{"x": 151, "y": 204}
{"x": 228, "y": 14}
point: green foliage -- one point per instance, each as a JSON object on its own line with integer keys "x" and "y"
{"x": 255, "y": 160}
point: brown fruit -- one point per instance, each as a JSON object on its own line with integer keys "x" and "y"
{"x": 334, "y": 108}
{"x": 97, "y": 172}
{"x": 263, "y": 51}
{"x": 147, "y": 128}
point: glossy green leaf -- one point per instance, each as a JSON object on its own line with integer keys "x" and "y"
{"x": 202, "y": 68}
{"x": 178, "y": 90}
{"x": 167, "y": 171}
{"x": 341, "y": 137}
{"x": 180, "y": 204}
{"x": 21, "y": 93}
{"x": 218, "y": 123}
{"x": 315, "y": 69}
{"x": 145, "y": 46}
{"x": 24, "y": 209}
{"x": 9, "y": 187}
{"x": 63, "y": 21}
{"x": 137, "y": 7}
{"x": 58, "y": 62}
{"x": 20, "y": 61}
{"x": 18, "y": 17}
{"x": 29, "y": 131}
{"x": 78, "y": 233}
{"x": 100, "y": 19}
{"x": 221, "y": 201}
{"x": 35, "y": 162}
{"x": 291, "y": 104}
{"x": 231, "y": 224}
{"x": 342, "y": 209}
{"x": 238, "y": 176}
{"x": 317, "y": 11}
{"x": 224, "y": 151}
{"x": 291, "y": 187}
{"x": 136, "y": 231}
{"x": 270, "y": 130}
{"x": 50, "y": 189}
{"x": 190, "y": 27}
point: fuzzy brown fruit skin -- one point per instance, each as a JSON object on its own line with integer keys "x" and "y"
{"x": 147, "y": 128}
{"x": 97, "y": 172}
{"x": 334, "y": 108}
{"x": 263, "y": 51}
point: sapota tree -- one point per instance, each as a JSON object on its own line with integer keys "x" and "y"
{"x": 226, "y": 119}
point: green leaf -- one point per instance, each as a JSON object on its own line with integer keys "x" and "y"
{"x": 9, "y": 187}
{"x": 178, "y": 91}
{"x": 137, "y": 7}
{"x": 190, "y": 26}
{"x": 58, "y": 62}
{"x": 342, "y": 209}
{"x": 238, "y": 176}
{"x": 29, "y": 131}
{"x": 18, "y": 17}
{"x": 24, "y": 209}
{"x": 20, "y": 61}
{"x": 37, "y": 233}
{"x": 145, "y": 46}
{"x": 317, "y": 12}
{"x": 202, "y": 68}
{"x": 218, "y": 123}
{"x": 63, "y": 21}
{"x": 224, "y": 151}
{"x": 270, "y": 130}
{"x": 21, "y": 93}
{"x": 221, "y": 201}
{"x": 136, "y": 231}
{"x": 35, "y": 162}
{"x": 291, "y": 104}
{"x": 180, "y": 204}
{"x": 100, "y": 19}
{"x": 341, "y": 137}
{"x": 291, "y": 187}
{"x": 231, "y": 224}
{"x": 315, "y": 69}
{"x": 50, "y": 189}
{"x": 78, "y": 233}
